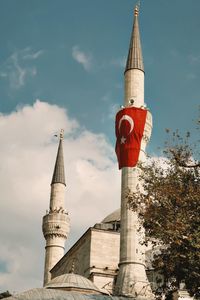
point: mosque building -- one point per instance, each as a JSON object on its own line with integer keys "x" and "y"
{"x": 108, "y": 260}
{"x": 96, "y": 254}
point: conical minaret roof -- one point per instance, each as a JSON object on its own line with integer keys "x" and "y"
{"x": 135, "y": 59}
{"x": 59, "y": 170}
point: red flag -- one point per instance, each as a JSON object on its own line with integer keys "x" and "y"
{"x": 129, "y": 128}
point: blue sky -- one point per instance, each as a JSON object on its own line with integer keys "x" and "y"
{"x": 40, "y": 40}
{"x": 61, "y": 66}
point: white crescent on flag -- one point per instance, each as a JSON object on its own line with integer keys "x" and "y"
{"x": 129, "y": 119}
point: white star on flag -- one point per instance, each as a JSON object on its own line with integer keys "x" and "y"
{"x": 123, "y": 140}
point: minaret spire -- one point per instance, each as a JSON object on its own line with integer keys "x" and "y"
{"x": 56, "y": 222}
{"x": 59, "y": 170}
{"x": 134, "y": 71}
{"x": 135, "y": 59}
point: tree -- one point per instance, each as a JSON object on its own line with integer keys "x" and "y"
{"x": 5, "y": 295}
{"x": 169, "y": 210}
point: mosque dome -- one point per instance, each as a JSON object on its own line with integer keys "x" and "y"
{"x": 56, "y": 294}
{"x": 73, "y": 282}
{"x": 113, "y": 217}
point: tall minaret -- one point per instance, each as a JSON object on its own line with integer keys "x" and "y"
{"x": 55, "y": 225}
{"x": 132, "y": 280}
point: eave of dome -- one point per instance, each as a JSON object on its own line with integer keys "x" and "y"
{"x": 72, "y": 281}
{"x": 113, "y": 217}
{"x": 55, "y": 294}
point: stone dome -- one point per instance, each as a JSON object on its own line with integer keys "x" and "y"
{"x": 56, "y": 294}
{"x": 113, "y": 217}
{"x": 73, "y": 282}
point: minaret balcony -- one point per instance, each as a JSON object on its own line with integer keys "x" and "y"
{"x": 55, "y": 224}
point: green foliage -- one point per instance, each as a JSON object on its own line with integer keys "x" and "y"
{"x": 169, "y": 209}
{"x": 5, "y": 295}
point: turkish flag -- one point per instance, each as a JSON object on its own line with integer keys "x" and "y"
{"x": 129, "y": 128}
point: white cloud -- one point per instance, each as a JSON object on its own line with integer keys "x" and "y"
{"x": 160, "y": 161}
{"x": 17, "y": 74}
{"x": 33, "y": 55}
{"x": 113, "y": 109}
{"x": 81, "y": 57}
{"x": 106, "y": 97}
{"x": 27, "y": 154}
{"x": 16, "y": 69}
{"x": 174, "y": 53}
{"x": 194, "y": 59}
{"x": 191, "y": 76}
{"x": 119, "y": 62}
{"x": 3, "y": 74}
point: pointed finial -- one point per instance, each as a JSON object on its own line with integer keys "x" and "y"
{"x": 136, "y": 11}
{"x": 62, "y": 134}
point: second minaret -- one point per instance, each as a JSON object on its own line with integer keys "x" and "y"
{"x": 55, "y": 225}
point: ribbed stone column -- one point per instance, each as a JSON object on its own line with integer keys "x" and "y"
{"x": 132, "y": 279}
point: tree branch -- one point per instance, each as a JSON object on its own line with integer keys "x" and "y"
{"x": 181, "y": 163}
